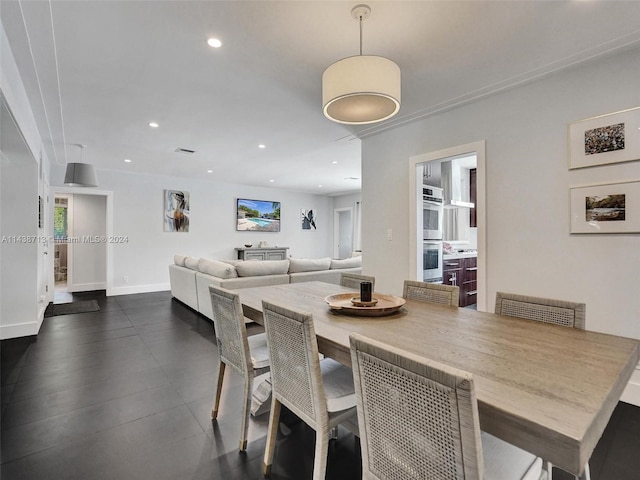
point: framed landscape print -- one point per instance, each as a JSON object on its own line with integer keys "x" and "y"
{"x": 611, "y": 208}
{"x": 606, "y": 139}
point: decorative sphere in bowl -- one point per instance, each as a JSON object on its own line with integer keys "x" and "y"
{"x": 248, "y": 245}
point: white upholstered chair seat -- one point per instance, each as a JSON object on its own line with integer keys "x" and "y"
{"x": 259, "y": 350}
{"x": 338, "y": 386}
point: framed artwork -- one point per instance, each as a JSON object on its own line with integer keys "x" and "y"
{"x": 176, "y": 211}
{"x": 308, "y": 219}
{"x": 257, "y": 215}
{"x": 606, "y": 139}
{"x": 610, "y": 208}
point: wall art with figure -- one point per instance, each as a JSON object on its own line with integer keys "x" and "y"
{"x": 308, "y": 219}
{"x": 176, "y": 211}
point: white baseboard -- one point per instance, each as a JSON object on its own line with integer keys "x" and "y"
{"x": 157, "y": 287}
{"x": 86, "y": 287}
{"x": 631, "y": 394}
{"x": 19, "y": 330}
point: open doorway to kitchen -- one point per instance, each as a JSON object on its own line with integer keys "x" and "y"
{"x": 448, "y": 235}
{"x": 80, "y": 243}
{"x": 61, "y": 214}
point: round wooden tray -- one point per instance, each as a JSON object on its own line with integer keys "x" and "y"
{"x": 386, "y": 305}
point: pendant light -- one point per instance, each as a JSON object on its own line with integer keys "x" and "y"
{"x": 361, "y": 89}
{"x": 80, "y": 174}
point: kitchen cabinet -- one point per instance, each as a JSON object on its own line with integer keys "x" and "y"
{"x": 462, "y": 272}
{"x": 270, "y": 253}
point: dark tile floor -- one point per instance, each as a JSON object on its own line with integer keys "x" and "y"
{"x": 125, "y": 393}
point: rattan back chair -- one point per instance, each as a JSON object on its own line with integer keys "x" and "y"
{"x": 319, "y": 392}
{"x": 419, "y": 419}
{"x": 558, "y": 312}
{"x": 432, "y": 292}
{"x": 353, "y": 280}
{"x": 248, "y": 356}
{"x": 547, "y": 310}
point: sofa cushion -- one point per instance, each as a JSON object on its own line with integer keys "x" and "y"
{"x": 308, "y": 264}
{"x": 346, "y": 263}
{"x": 265, "y": 267}
{"x": 179, "y": 260}
{"x": 217, "y": 269}
{"x": 191, "y": 263}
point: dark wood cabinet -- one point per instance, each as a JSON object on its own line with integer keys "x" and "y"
{"x": 462, "y": 272}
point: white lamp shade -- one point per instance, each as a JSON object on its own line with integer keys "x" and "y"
{"x": 80, "y": 175}
{"x": 361, "y": 89}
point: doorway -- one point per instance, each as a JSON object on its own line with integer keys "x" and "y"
{"x": 61, "y": 214}
{"x": 462, "y": 230}
{"x": 343, "y": 232}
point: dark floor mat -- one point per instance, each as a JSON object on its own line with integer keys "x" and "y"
{"x": 83, "y": 306}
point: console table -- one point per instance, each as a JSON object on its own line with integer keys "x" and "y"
{"x": 268, "y": 253}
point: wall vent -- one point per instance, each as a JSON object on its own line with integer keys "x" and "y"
{"x": 184, "y": 150}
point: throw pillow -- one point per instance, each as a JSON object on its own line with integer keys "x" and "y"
{"x": 191, "y": 263}
{"x": 346, "y": 263}
{"x": 266, "y": 267}
{"x": 297, "y": 265}
{"x": 179, "y": 260}
{"x": 217, "y": 269}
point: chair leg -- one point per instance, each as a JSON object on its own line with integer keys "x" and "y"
{"x": 216, "y": 400}
{"x": 272, "y": 433}
{"x": 244, "y": 428}
{"x": 548, "y": 467}
{"x": 586, "y": 475}
{"x": 320, "y": 460}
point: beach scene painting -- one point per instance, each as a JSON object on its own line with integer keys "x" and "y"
{"x": 257, "y": 215}
{"x": 605, "y": 208}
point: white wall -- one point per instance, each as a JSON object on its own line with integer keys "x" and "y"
{"x": 529, "y": 248}
{"x": 138, "y": 217}
{"x": 24, "y": 164}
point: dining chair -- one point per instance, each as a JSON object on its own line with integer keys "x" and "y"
{"x": 547, "y": 310}
{"x": 353, "y": 280}
{"x": 419, "y": 419}
{"x": 432, "y": 292}
{"x": 558, "y": 312}
{"x": 319, "y": 392}
{"x": 248, "y": 356}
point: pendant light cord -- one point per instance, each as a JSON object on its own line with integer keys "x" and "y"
{"x": 360, "y": 35}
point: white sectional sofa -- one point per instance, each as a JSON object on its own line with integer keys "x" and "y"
{"x": 190, "y": 277}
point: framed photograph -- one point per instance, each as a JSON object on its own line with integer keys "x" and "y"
{"x": 176, "y": 211}
{"x": 611, "y": 208}
{"x": 308, "y": 219}
{"x": 611, "y": 138}
{"x": 257, "y": 215}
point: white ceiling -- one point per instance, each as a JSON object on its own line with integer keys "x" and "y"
{"x": 97, "y": 72}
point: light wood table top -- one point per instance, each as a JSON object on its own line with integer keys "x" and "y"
{"x": 545, "y": 388}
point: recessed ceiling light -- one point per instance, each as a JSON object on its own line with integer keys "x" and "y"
{"x": 153, "y": 125}
{"x": 209, "y": 171}
{"x": 319, "y": 186}
{"x": 126, "y": 160}
{"x": 272, "y": 180}
{"x": 262, "y": 145}
{"x": 334, "y": 162}
{"x": 214, "y": 42}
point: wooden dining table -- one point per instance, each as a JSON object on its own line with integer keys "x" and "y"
{"x": 545, "y": 388}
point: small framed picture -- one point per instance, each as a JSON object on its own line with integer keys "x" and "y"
{"x": 611, "y": 138}
{"x": 610, "y": 208}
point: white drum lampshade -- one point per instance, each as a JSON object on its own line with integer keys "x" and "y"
{"x": 80, "y": 175}
{"x": 361, "y": 89}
